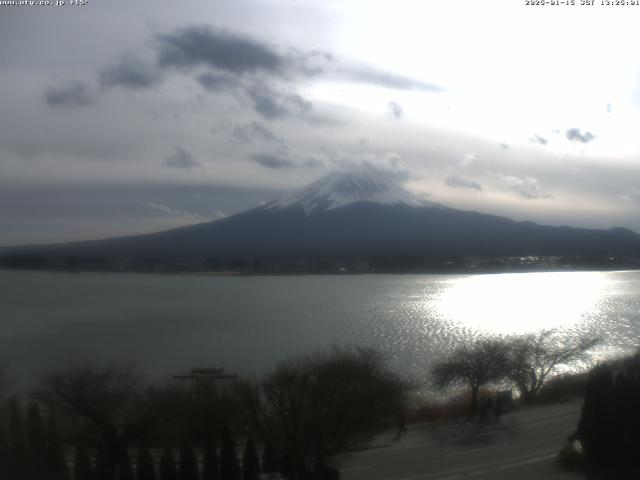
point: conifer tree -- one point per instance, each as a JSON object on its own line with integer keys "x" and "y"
{"x": 229, "y": 469}
{"x": 210, "y": 462}
{"x": 103, "y": 469}
{"x": 286, "y": 466}
{"x": 146, "y": 469}
{"x": 622, "y": 441}
{"x": 634, "y": 401}
{"x": 610, "y": 420}
{"x": 82, "y": 468}
{"x": 188, "y": 463}
{"x": 56, "y": 462}
{"x": 125, "y": 471}
{"x": 168, "y": 469}
{"x": 18, "y": 455}
{"x": 4, "y": 455}
{"x": 37, "y": 442}
{"x": 250, "y": 461}
{"x": 269, "y": 459}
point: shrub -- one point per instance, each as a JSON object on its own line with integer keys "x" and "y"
{"x": 82, "y": 469}
{"x": 571, "y": 458}
{"x": 321, "y": 405}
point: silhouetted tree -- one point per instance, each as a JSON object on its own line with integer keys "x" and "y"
{"x": 594, "y": 427}
{"x": 623, "y": 441}
{"x": 168, "y": 470}
{"x": 205, "y": 410}
{"x": 633, "y": 419}
{"x": 125, "y": 471}
{"x": 103, "y": 471}
{"x": 18, "y": 453}
{"x": 534, "y": 358}
{"x": 269, "y": 459}
{"x": 250, "y": 461}
{"x": 82, "y": 469}
{"x": 322, "y": 404}
{"x": 4, "y": 455}
{"x": 56, "y": 462}
{"x": 210, "y": 462}
{"x": 477, "y": 365}
{"x": 187, "y": 463}
{"x": 111, "y": 404}
{"x": 145, "y": 468}
{"x": 229, "y": 469}
{"x": 286, "y": 467}
{"x": 36, "y": 439}
{"x": 608, "y": 425}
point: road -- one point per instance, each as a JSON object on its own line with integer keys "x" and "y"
{"x": 523, "y": 445}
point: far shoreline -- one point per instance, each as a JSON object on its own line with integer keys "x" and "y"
{"x": 238, "y": 273}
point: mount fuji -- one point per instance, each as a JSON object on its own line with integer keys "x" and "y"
{"x": 337, "y": 190}
{"x": 353, "y": 216}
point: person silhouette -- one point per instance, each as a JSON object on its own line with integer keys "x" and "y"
{"x": 402, "y": 424}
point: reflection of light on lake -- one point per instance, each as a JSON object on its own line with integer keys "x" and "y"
{"x": 518, "y": 303}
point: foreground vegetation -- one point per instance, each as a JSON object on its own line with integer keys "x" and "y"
{"x": 606, "y": 439}
{"x": 525, "y": 362}
{"x": 109, "y": 423}
{"x": 122, "y": 428}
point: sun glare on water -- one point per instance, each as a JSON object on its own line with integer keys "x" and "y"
{"x": 521, "y": 302}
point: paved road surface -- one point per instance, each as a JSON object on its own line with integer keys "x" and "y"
{"x": 522, "y": 446}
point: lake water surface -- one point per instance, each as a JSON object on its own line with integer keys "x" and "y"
{"x": 167, "y": 323}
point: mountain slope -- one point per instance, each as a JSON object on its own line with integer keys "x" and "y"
{"x": 354, "y": 216}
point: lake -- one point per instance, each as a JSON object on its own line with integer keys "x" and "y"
{"x": 168, "y": 323}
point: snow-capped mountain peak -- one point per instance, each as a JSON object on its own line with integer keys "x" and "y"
{"x": 338, "y": 189}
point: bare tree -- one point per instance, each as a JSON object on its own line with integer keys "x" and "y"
{"x": 535, "y": 358}
{"x": 474, "y": 365}
{"x": 107, "y": 406}
{"x": 323, "y": 404}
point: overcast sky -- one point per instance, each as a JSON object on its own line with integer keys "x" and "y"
{"x": 124, "y": 117}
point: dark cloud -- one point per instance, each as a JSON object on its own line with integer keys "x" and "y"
{"x": 457, "y": 182}
{"x": 576, "y": 135}
{"x": 233, "y": 53}
{"x": 220, "y": 49}
{"x": 253, "y": 132}
{"x": 270, "y": 102}
{"x": 270, "y": 160}
{"x": 286, "y": 157}
{"x": 540, "y": 140}
{"x": 267, "y": 105}
{"x": 273, "y": 104}
{"x": 181, "y": 159}
{"x": 216, "y": 82}
{"x": 130, "y": 72}
{"x": 394, "y": 109}
{"x": 74, "y": 94}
